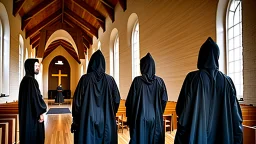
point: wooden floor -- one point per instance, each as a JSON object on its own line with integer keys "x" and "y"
{"x": 57, "y": 128}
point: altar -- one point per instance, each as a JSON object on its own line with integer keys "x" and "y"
{"x": 52, "y": 94}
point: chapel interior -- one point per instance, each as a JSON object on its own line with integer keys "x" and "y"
{"x": 63, "y": 35}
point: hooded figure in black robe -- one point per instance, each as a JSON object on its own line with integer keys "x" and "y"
{"x": 207, "y": 107}
{"x": 95, "y": 103}
{"x": 59, "y": 97}
{"x": 145, "y": 105}
{"x": 31, "y": 107}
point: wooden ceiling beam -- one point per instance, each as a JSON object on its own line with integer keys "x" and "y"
{"x": 91, "y": 29}
{"x": 53, "y": 45}
{"x": 72, "y": 24}
{"x": 88, "y": 38}
{"x": 67, "y": 43}
{"x": 100, "y": 18}
{"x": 73, "y": 54}
{"x": 17, "y": 5}
{"x": 35, "y": 44}
{"x": 85, "y": 42}
{"x": 46, "y": 53}
{"x": 123, "y": 4}
{"x": 29, "y": 15}
{"x": 110, "y": 9}
{"x": 34, "y": 39}
{"x": 43, "y": 24}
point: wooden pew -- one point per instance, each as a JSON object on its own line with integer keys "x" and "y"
{"x": 170, "y": 110}
{"x": 4, "y": 127}
{"x": 16, "y": 118}
{"x": 11, "y": 129}
{"x": 249, "y": 135}
{"x": 249, "y": 115}
{"x": 9, "y": 115}
{"x": 1, "y": 135}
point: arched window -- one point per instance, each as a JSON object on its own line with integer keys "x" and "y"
{"x": 116, "y": 60}
{"x": 26, "y": 54}
{"x": 1, "y": 56}
{"x": 99, "y": 45}
{"x": 5, "y": 52}
{"x": 21, "y": 55}
{"x": 87, "y": 59}
{"x": 234, "y": 45}
{"x": 82, "y": 70}
{"x": 135, "y": 51}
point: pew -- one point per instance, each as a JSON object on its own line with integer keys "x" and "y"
{"x": 4, "y": 134}
{"x": 249, "y": 135}
{"x": 11, "y": 129}
{"x": 249, "y": 115}
{"x": 121, "y": 115}
{"x": 16, "y": 118}
{"x": 9, "y": 115}
{"x": 0, "y": 135}
{"x": 170, "y": 117}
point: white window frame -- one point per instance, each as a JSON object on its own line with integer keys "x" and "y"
{"x": 234, "y": 45}
{"x": 135, "y": 51}
{"x": 21, "y": 55}
{"x": 99, "y": 45}
{"x": 1, "y": 56}
{"x": 116, "y": 60}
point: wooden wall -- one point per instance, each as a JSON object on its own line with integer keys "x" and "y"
{"x": 172, "y": 31}
{"x": 249, "y": 50}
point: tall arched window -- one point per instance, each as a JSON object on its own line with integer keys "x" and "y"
{"x": 21, "y": 55}
{"x": 116, "y": 60}
{"x": 135, "y": 51}
{"x": 26, "y": 54}
{"x": 82, "y": 70}
{"x": 87, "y": 60}
{"x": 5, "y": 46}
{"x": 1, "y": 56}
{"x": 99, "y": 45}
{"x": 234, "y": 45}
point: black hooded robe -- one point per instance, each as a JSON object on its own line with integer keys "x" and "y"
{"x": 208, "y": 110}
{"x": 59, "y": 97}
{"x": 95, "y": 103}
{"x": 145, "y": 105}
{"x": 31, "y": 106}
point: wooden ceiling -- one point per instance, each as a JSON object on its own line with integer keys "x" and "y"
{"x": 86, "y": 15}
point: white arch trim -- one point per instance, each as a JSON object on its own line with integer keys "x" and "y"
{"x": 111, "y": 50}
{"x": 64, "y": 35}
{"x": 130, "y": 25}
{"x": 5, "y": 49}
{"x": 221, "y": 13}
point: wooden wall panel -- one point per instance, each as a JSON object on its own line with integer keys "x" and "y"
{"x": 172, "y": 31}
{"x": 249, "y": 50}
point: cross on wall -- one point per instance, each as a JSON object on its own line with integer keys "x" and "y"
{"x": 59, "y": 75}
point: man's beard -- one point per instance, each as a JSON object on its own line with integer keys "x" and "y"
{"x": 36, "y": 72}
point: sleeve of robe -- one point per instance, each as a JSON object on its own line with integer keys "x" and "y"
{"x": 164, "y": 95}
{"x": 115, "y": 95}
{"x": 182, "y": 97}
{"x": 129, "y": 102}
{"x": 78, "y": 100}
{"x": 236, "y": 116}
{"x": 38, "y": 104}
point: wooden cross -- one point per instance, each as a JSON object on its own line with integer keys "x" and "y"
{"x": 59, "y": 75}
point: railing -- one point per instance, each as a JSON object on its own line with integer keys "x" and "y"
{"x": 249, "y": 135}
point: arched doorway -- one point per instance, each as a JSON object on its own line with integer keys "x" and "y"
{"x": 59, "y": 73}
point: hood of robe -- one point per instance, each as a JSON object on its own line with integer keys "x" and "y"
{"x": 30, "y": 67}
{"x": 208, "y": 55}
{"x": 97, "y": 64}
{"x": 147, "y": 68}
